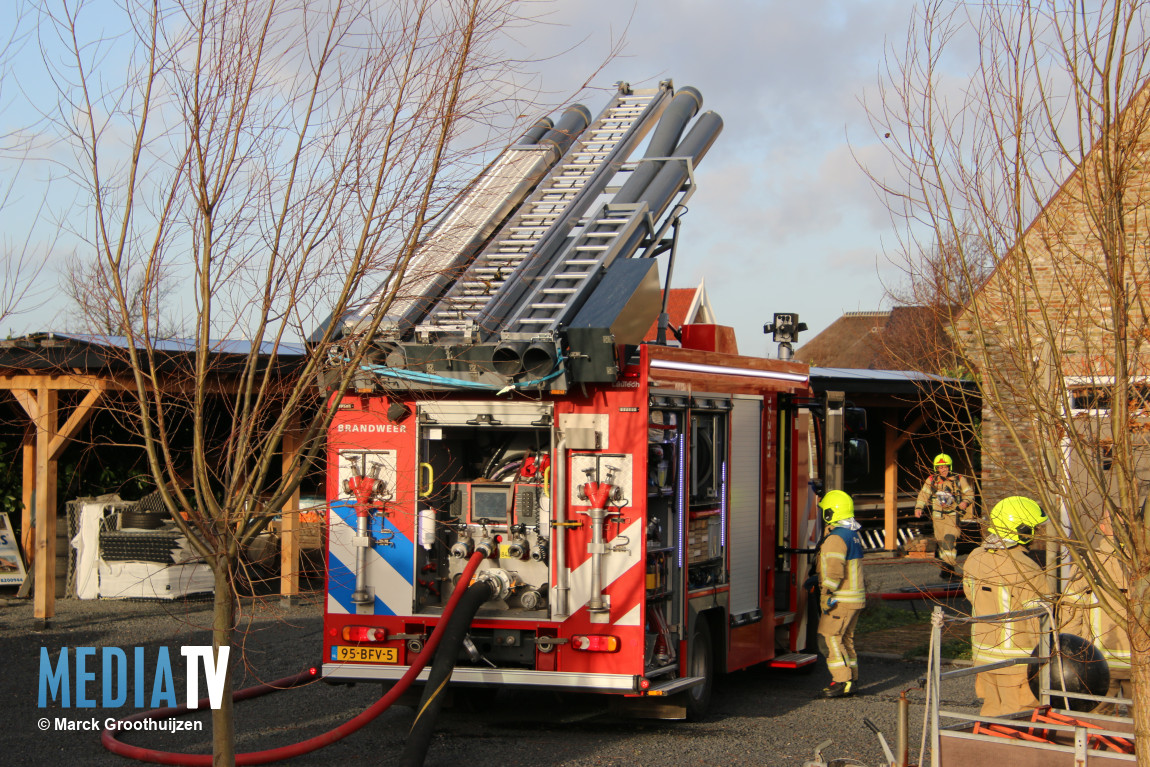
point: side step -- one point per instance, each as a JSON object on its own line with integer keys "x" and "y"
{"x": 793, "y": 660}
{"x": 675, "y": 685}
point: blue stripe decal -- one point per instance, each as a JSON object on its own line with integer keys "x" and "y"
{"x": 390, "y": 568}
{"x": 401, "y": 556}
{"x": 340, "y": 584}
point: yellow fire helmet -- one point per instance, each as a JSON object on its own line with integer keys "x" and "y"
{"x": 942, "y": 459}
{"x": 1014, "y": 519}
{"x": 837, "y": 506}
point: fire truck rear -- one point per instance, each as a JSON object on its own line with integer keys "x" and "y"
{"x": 641, "y": 510}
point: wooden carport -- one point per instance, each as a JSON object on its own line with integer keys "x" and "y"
{"x": 902, "y": 407}
{"x": 37, "y": 369}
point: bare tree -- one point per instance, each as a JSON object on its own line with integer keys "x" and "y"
{"x": 937, "y": 282}
{"x": 22, "y": 256}
{"x": 152, "y": 309}
{"x": 269, "y": 157}
{"x": 1039, "y": 159}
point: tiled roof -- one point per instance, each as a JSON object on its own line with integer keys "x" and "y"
{"x": 904, "y": 338}
{"x": 851, "y": 341}
{"x": 685, "y": 306}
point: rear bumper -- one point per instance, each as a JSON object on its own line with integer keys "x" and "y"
{"x": 555, "y": 680}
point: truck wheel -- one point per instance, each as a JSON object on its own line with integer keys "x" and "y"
{"x": 700, "y": 663}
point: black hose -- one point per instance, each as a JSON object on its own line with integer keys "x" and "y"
{"x": 419, "y": 738}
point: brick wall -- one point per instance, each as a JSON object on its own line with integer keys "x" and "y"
{"x": 1045, "y": 314}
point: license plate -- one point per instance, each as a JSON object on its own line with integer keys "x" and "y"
{"x": 365, "y": 654}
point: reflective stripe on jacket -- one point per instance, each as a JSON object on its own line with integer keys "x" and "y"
{"x": 840, "y": 567}
{"x": 1082, "y": 615}
{"x": 944, "y": 495}
{"x": 997, "y": 581}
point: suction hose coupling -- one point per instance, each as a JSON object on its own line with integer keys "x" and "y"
{"x": 499, "y": 581}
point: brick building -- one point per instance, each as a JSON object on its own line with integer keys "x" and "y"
{"x": 1064, "y": 316}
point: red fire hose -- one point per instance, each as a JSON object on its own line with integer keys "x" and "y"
{"x": 923, "y": 593}
{"x": 108, "y": 738}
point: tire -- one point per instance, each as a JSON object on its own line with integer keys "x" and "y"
{"x": 140, "y": 520}
{"x": 700, "y": 662}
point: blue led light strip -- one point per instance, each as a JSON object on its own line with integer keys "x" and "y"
{"x": 723, "y": 508}
{"x": 682, "y": 501}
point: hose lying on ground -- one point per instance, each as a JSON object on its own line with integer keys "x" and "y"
{"x": 108, "y": 738}
{"x": 418, "y": 739}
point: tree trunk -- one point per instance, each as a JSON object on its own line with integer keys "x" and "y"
{"x": 223, "y": 622}
{"x": 1138, "y": 620}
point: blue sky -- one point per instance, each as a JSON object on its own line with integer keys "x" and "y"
{"x": 783, "y": 220}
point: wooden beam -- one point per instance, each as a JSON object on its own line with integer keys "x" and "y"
{"x": 28, "y": 480}
{"x": 895, "y": 438}
{"x": 890, "y": 487}
{"x": 289, "y": 517}
{"x": 902, "y": 436}
{"x": 75, "y": 421}
{"x": 58, "y": 381}
{"x": 27, "y": 400}
{"x": 174, "y": 384}
{"x": 44, "y": 598}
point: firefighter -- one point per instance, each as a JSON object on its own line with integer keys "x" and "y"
{"x": 1000, "y": 577}
{"x": 1083, "y": 616}
{"x": 842, "y": 591}
{"x": 947, "y": 494}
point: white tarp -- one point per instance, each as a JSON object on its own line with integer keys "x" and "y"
{"x": 153, "y": 580}
{"x": 87, "y": 546}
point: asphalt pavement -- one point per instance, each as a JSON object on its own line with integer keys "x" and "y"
{"x": 759, "y": 716}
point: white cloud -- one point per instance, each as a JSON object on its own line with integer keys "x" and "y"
{"x": 783, "y": 219}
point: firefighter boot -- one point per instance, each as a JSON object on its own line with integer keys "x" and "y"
{"x": 838, "y": 690}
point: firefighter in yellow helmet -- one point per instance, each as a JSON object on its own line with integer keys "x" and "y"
{"x": 842, "y": 591}
{"x": 947, "y": 494}
{"x": 1000, "y": 577}
{"x": 1081, "y": 614}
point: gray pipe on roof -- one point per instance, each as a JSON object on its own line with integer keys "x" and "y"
{"x": 686, "y": 104}
{"x": 535, "y": 132}
{"x": 671, "y": 177}
{"x": 571, "y": 123}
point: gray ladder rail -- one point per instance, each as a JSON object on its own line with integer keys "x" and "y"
{"x": 568, "y": 283}
{"x": 475, "y": 215}
{"x": 547, "y": 214}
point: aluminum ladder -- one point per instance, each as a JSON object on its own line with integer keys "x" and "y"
{"x": 547, "y": 217}
{"x": 568, "y": 283}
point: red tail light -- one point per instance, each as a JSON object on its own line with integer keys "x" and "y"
{"x": 595, "y": 643}
{"x": 364, "y": 634}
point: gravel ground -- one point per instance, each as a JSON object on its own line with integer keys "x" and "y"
{"x": 759, "y": 717}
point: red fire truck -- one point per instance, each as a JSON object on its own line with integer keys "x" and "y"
{"x": 642, "y": 508}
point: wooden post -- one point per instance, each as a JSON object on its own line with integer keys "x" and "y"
{"x": 44, "y": 596}
{"x": 895, "y": 438}
{"x": 28, "y": 481}
{"x": 289, "y": 518}
{"x": 890, "y": 486}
